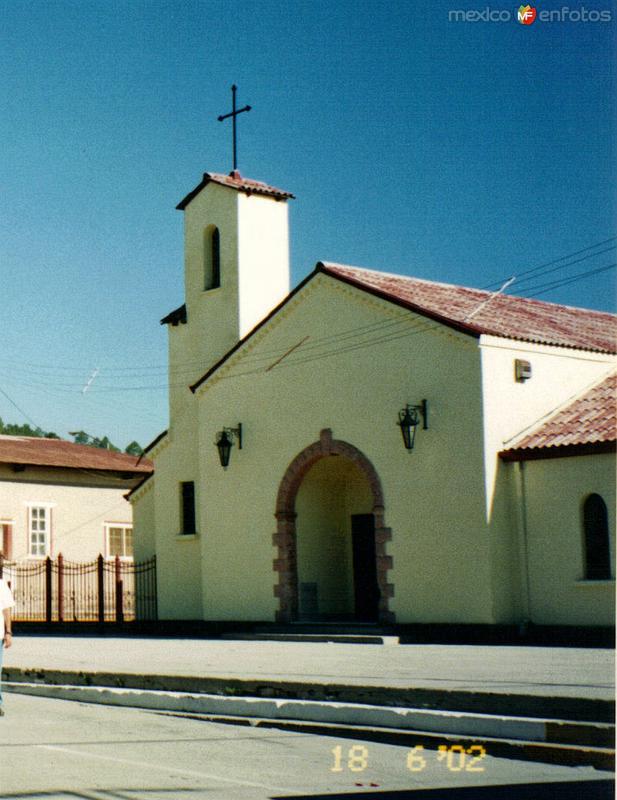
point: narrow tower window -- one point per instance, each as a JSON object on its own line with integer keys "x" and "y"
{"x": 212, "y": 258}
{"x": 187, "y": 507}
{"x": 597, "y": 547}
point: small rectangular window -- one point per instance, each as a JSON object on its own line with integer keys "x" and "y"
{"x": 188, "y": 507}
{"x": 38, "y": 531}
{"x": 119, "y": 541}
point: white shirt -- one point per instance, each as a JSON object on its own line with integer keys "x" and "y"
{"x": 6, "y": 601}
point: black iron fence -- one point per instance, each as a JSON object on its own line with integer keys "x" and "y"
{"x": 103, "y": 590}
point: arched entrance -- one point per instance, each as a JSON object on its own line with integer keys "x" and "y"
{"x": 367, "y": 543}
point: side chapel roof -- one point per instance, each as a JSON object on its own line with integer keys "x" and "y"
{"x": 584, "y": 425}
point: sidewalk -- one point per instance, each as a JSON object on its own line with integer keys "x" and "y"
{"x": 543, "y": 671}
{"x": 536, "y": 703}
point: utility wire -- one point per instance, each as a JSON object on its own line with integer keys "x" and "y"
{"x": 188, "y": 368}
{"x": 311, "y": 352}
{"x": 563, "y": 266}
{"x": 547, "y": 287}
{"x": 349, "y": 339}
{"x": 21, "y": 411}
{"x": 554, "y": 261}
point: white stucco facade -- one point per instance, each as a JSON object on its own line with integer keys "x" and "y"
{"x": 74, "y": 513}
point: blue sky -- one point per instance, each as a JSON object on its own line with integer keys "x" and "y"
{"x": 454, "y": 151}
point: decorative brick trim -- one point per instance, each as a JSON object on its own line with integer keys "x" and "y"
{"x": 285, "y": 564}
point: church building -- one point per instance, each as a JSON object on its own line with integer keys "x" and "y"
{"x": 371, "y": 446}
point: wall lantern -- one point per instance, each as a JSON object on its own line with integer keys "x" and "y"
{"x": 224, "y": 443}
{"x": 408, "y": 421}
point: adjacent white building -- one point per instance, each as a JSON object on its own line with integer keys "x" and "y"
{"x": 57, "y": 497}
{"x": 323, "y": 510}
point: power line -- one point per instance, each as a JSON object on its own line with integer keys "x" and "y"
{"x": 564, "y": 266}
{"x": 347, "y": 340}
{"x": 555, "y": 261}
{"x": 189, "y": 367}
{"x": 547, "y": 287}
{"x": 21, "y": 411}
{"x": 314, "y": 350}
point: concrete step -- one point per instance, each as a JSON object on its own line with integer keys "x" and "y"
{"x": 478, "y": 725}
{"x": 317, "y": 626}
{"x": 599, "y": 758}
{"x": 580, "y": 709}
{"x": 333, "y": 637}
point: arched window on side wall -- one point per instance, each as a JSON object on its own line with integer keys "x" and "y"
{"x": 596, "y": 539}
{"x": 212, "y": 258}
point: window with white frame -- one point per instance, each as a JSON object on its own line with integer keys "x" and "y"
{"x": 38, "y": 530}
{"x": 119, "y": 541}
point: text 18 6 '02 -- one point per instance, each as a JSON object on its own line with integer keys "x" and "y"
{"x": 454, "y": 757}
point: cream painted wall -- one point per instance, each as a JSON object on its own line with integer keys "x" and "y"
{"x": 263, "y": 257}
{"x": 144, "y": 521}
{"x": 183, "y": 369}
{"x": 555, "y": 490}
{"x": 212, "y": 317}
{"x": 178, "y": 555}
{"x": 510, "y": 408}
{"x": 440, "y": 549}
{"x": 78, "y": 509}
{"x": 254, "y": 266}
{"x": 254, "y": 258}
{"x": 212, "y": 314}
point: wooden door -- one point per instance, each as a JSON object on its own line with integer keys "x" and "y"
{"x": 366, "y": 589}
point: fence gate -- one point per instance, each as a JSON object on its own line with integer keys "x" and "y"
{"x": 103, "y": 590}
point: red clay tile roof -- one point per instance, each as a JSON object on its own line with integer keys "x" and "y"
{"x": 235, "y": 181}
{"x": 58, "y": 453}
{"x": 505, "y": 315}
{"x": 591, "y": 419}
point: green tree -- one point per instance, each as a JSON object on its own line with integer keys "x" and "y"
{"x": 13, "y": 429}
{"x": 134, "y": 449}
{"x": 81, "y": 437}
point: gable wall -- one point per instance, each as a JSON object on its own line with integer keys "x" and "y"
{"x": 434, "y": 495}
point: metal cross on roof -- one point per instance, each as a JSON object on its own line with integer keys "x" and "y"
{"x": 233, "y": 114}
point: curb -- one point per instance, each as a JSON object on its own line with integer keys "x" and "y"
{"x": 456, "y": 700}
{"x": 443, "y": 722}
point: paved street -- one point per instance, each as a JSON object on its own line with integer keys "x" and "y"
{"x": 55, "y": 749}
{"x": 565, "y": 672}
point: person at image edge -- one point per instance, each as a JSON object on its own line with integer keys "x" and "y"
{"x": 6, "y": 633}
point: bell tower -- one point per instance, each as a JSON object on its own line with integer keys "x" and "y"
{"x": 236, "y": 270}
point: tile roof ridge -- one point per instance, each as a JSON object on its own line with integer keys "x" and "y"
{"x": 234, "y": 180}
{"x": 22, "y": 437}
{"x": 335, "y": 265}
{"x": 509, "y": 297}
